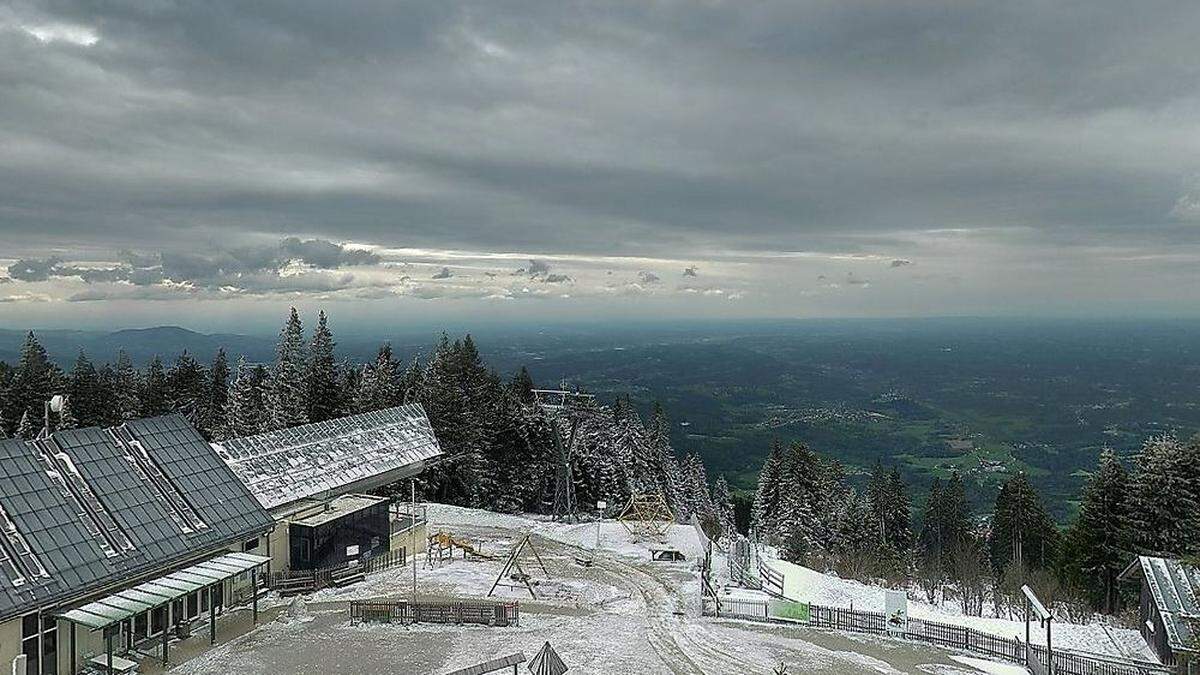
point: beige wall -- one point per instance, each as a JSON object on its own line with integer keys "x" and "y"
{"x": 10, "y": 644}
{"x": 403, "y": 539}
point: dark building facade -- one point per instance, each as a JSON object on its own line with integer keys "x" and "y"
{"x": 351, "y": 528}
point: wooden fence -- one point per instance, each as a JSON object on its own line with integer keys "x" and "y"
{"x": 403, "y": 612}
{"x": 944, "y": 635}
{"x": 294, "y": 582}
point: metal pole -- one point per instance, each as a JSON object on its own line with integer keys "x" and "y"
{"x": 254, "y": 590}
{"x": 212, "y": 615}
{"x": 108, "y": 647}
{"x": 165, "y": 639}
{"x": 412, "y": 526}
{"x": 1049, "y": 651}
{"x": 74, "y": 652}
{"x": 1027, "y": 657}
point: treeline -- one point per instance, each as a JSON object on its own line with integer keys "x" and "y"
{"x": 499, "y": 444}
{"x": 805, "y": 506}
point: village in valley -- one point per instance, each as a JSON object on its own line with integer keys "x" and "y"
{"x": 305, "y": 517}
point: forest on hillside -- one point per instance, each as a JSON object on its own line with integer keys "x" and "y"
{"x": 499, "y": 443}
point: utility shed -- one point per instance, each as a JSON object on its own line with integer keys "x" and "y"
{"x": 350, "y": 528}
{"x": 1169, "y": 608}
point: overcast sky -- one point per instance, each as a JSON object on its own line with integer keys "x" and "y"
{"x": 210, "y": 163}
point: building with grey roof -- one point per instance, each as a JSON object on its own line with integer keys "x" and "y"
{"x": 308, "y": 477}
{"x": 87, "y": 514}
{"x": 1170, "y": 608}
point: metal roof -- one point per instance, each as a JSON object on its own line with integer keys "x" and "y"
{"x": 1175, "y": 587}
{"x": 547, "y": 662}
{"x": 281, "y": 467}
{"x": 152, "y": 594}
{"x": 490, "y": 666}
{"x": 77, "y": 512}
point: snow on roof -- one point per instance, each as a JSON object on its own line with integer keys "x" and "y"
{"x": 1175, "y": 587}
{"x": 284, "y": 466}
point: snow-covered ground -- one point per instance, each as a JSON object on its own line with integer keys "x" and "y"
{"x": 1095, "y": 638}
{"x": 622, "y": 614}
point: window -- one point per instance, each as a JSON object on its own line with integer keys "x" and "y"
{"x": 158, "y": 620}
{"x": 49, "y": 645}
{"x": 140, "y": 624}
{"x": 250, "y": 545}
{"x": 29, "y": 643}
{"x": 193, "y": 606}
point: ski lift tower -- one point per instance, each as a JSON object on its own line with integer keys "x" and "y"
{"x": 561, "y": 405}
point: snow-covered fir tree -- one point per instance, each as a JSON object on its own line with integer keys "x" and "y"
{"x": 693, "y": 495}
{"x": 722, "y": 498}
{"x": 66, "y": 416}
{"x": 26, "y": 428}
{"x": 322, "y": 377}
{"x": 1099, "y": 544}
{"x": 767, "y": 496}
{"x": 187, "y": 388}
{"x": 377, "y": 385}
{"x": 286, "y": 388}
{"x": 126, "y": 385}
{"x": 152, "y": 394}
{"x": 85, "y": 393}
{"x": 245, "y": 412}
{"x": 33, "y": 382}
{"x": 217, "y": 396}
{"x": 1022, "y": 532}
{"x": 1165, "y": 496}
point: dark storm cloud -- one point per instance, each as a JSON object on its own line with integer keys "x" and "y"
{"x": 629, "y": 128}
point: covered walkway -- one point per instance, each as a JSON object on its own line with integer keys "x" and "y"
{"x": 156, "y": 599}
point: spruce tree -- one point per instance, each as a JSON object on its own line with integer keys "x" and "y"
{"x": 1022, "y": 532}
{"x": 66, "y": 416}
{"x": 26, "y": 428}
{"x": 521, "y": 385}
{"x": 322, "y": 377}
{"x": 33, "y": 382}
{"x": 187, "y": 388}
{"x": 152, "y": 395}
{"x": 767, "y": 497}
{"x": 722, "y": 498}
{"x": 126, "y": 398}
{"x": 85, "y": 394}
{"x": 216, "y": 399}
{"x": 1099, "y": 544}
{"x": 377, "y": 385}
{"x": 286, "y": 389}
{"x": 245, "y": 414}
{"x": 1165, "y": 496}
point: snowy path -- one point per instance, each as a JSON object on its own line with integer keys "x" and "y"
{"x": 623, "y": 614}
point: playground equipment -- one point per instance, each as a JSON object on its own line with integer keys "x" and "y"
{"x": 647, "y": 516}
{"x": 513, "y": 571}
{"x": 441, "y": 548}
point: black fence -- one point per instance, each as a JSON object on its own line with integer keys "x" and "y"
{"x": 943, "y": 635}
{"x": 297, "y": 582}
{"x": 403, "y": 612}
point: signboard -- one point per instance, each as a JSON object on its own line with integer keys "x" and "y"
{"x": 352, "y": 550}
{"x": 792, "y": 611}
{"x": 895, "y": 611}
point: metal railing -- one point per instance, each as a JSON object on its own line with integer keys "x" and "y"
{"x": 944, "y": 635}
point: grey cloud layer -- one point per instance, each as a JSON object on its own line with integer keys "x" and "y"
{"x": 676, "y": 129}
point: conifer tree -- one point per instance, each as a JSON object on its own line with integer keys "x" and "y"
{"x": 377, "y": 384}
{"x": 126, "y": 398}
{"x": 66, "y": 416}
{"x": 521, "y": 385}
{"x": 1165, "y": 496}
{"x": 152, "y": 395}
{"x": 187, "y": 389}
{"x": 216, "y": 399}
{"x": 722, "y": 498}
{"x": 767, "y": 497}
{"x": 1022, "y": 532}
{"x": 33, "y": 382}
{"x": 85, "y": 394}
{"x": 25, "y": 428}
{"x": 1099, "y": 543}
{"x": 286, "y": 388}
{"x": 245, "y": 414}
{"x": 324, "y": 388}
